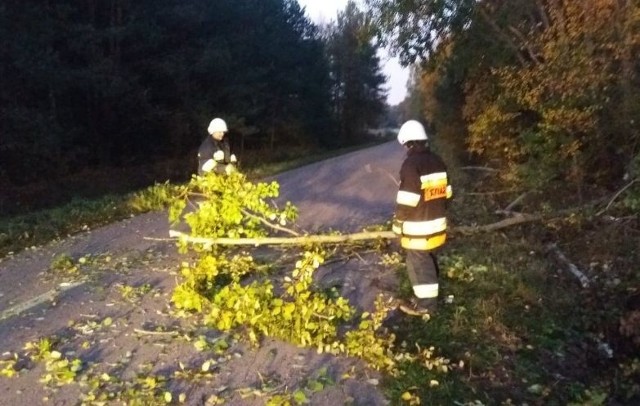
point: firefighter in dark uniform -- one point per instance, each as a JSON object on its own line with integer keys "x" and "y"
{"x": 215, "y": 154}
{"x": 420, "y": 216}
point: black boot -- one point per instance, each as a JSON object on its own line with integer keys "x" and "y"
{"x": 419, "y": 307}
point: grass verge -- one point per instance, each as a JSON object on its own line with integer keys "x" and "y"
{"x": 521, "y": 327}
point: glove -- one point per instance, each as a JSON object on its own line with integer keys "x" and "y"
{"x": 218, "y": 156}
{"x": 233, "y": 158}
{"x": 209, "y": 165}
{"x": 396, "y": 226}
{"x": 229, "y": 169}
{"x": 449, "y": 192}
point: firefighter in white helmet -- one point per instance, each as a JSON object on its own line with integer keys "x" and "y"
{"x": 420, "y": 216}
{"x": 215, "y": 154}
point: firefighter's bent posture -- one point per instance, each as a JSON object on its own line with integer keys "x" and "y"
{"x": 420, "y": 215}
{"x": 215, "y": 154}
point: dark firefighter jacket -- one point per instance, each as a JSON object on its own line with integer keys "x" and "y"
{"x": 420, "y": 215}
{"x": 218, "y": 151}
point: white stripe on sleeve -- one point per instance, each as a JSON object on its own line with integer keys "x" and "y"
{"x": 407, "y": 198}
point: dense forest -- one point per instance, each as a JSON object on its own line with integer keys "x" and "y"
{"x": 541, "y": 90}
{"x": 104, "y": 84}
{"x": 545, "y": 91}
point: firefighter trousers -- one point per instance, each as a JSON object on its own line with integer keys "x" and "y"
{"x": 423, "y": 271}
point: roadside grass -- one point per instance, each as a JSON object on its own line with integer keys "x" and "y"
{"x": 504, "y": 328}
{"x": 521, "y": 328}
{"x": 33, "y": 229}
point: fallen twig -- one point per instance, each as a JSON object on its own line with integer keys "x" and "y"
{"x": 479, "y": 168}
{"x": 156, "y": 333}
{"x": 518, "y": 219}
{"x": 516, "y": 202}
{"x": 496, "y": 192}
{"x": 613, "y": 199}
{"x": 584, "y": 280}
{"x": 269, "y": 224}
{"x": 48, "y": 296}
{"x": 620, "y": 219}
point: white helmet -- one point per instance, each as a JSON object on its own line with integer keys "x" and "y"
{"x": 412, "y": 130}
{"x": 217, "y": 125}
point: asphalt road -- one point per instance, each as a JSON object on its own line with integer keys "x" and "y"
{"x": 344, "y": 193}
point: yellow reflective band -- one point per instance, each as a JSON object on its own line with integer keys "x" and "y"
{"x": 423, "y": 228}
{"x": 434, "y": 177}
{"x": 407, "y": 198}
{"x": 423, "y": 244}
{"x": 426, "y": 291}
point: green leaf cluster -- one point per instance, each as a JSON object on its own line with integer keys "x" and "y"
{"x": 365, "y": 342}
{"x": 232, "y": 293}
{"x": 8, "y": 367}
{"x": 229, "y": 206}
{"x": 59, "y": 370}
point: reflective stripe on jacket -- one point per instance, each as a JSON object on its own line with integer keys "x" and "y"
{"x": 421, "y": 201}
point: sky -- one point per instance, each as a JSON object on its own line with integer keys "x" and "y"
{"x": 323, "y": 11}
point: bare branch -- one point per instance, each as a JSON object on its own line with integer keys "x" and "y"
{"x": 302, "y": 240}
{"x": 496, "y": 192}
{"x": 332, "y": 239}
{"x": 575, "y": 271}
{"x": 516, "y": 202}
{"x": 268, "y": 224}
{"x": 613, "y": 199}
{"x": 525, "y": 45}
{"x": 156, "y": 333}
{"x": 543, "y": 14}
{"x": 503, "y": 36}
{"x": 519, "y": 219}
{"x": 479, "y": 168}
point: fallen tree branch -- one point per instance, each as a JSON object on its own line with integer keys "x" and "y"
{"x": 479, "y": 168}
{"x": 520, "y": 218}
{"x": 307, "y": 239}
{"x": 620, "y": 219}
{"x": 497, "y": 192}
{"x": 613, "y": 199}
{"x": 516, "y": 202}
{"x": 49, "y": 296}
{"x": 517, "y": 219}
{"x": 575, "y": 271}
{"x": 156, "y": 333}
{"x": 328, "y": 239}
